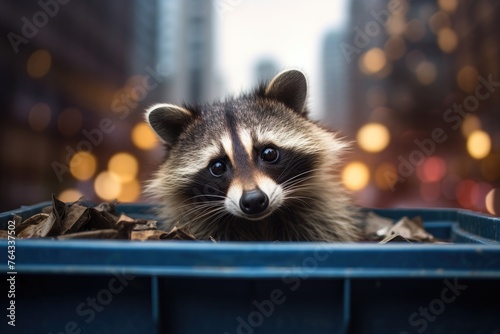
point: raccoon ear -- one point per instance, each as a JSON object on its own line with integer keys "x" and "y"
{"x": 290, "y": 88}
{"x": 168, "y": 121}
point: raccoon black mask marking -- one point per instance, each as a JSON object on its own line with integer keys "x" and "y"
{"x": 252, "y": 168}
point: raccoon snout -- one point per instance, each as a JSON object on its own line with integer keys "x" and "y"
{"x": 254, "y": 202}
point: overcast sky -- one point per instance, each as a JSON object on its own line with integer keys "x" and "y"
{"x": 289, "y": 31}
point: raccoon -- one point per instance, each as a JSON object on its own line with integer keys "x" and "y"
{"x": 252, "y": 168}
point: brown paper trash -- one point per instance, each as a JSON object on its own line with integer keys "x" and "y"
{"x": 81, "y": 220}
{"x": 78, "y": 220}
{"x": 384, "y": 230}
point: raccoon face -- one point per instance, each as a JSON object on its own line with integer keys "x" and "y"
{"x": 243, "y": 158}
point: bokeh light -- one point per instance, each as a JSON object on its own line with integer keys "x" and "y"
{"x": 83, "y": 165}
{"x": 395, "y": 48}
{"x": 467, "y": 78}
{"x": 492, "y": 201}
{"x": 355, "y": 175}
{"x": 467, "y": 194}
{"x": 386, "y": 176}
{"x": 143, "y": 137}
{"x": 39, "y": 116}
{"x": 373, "y": 61}
{"x": 478, "y": 144}
{"x": 69, "y": 195}
{"x": 473, "y": 195}
{"x": 69, "y": 121}
{"x": 426, "y": 72}
{"x": 107, "y": 186}
{"x": 448, "y": 5}
{"x": 470, "y": 124}
{"x": 124, "y": 166}
{"x": 130, "y": 191}
{"x": 447, "y": 40}
{"x": 373, "y": 137}
{"x": 483, "y": 189}
{"x": 396, "y": 25}
{"x": 39, "y": 63}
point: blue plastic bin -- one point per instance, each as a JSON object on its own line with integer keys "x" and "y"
{"x": 108, "y": 286}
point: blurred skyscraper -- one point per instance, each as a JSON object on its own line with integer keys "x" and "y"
{"x": 335, "y": 83}
{"x": 72, "y": 63}
{"x": 412, "y": 69}
{"x": 168, "y": 36}
{"x": 188, "y": 51}
{"x": 145, "y": 29}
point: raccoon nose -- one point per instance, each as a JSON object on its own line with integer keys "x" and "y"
{"x": 253, "y": 202}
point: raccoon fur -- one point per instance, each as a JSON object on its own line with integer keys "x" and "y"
{"x": 252, "y": 168}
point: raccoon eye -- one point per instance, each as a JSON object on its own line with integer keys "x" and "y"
{"x": 269, "y": 154}
{"x": 217, "y": 168}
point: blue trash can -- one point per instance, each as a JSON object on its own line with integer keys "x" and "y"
{"x": 117, "y": 286}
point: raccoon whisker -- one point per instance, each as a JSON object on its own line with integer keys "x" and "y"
{"x": 298, "y": 182}
{"x": 199, "y": 218}
{"x": 207, "y": 195}
{"x": 189, "y": 210}
{"x": 300, "y": 199}
{"x": 202, "y": 207}
{"x": 193, "y": 202}
{"x": 309, "y": 179}
{"x": 211, "y": 219}
{"x": 218, "y": 218}
{"x": 184, "y": 203}
{"x": 303, "y": 186}
{"x": 193, "y": 213}
{"x": 198, "y": 207}
{"x": 309, "y": 200}
{"x": 302, "y": 190}
{"x": 295, "y": 178}
{"x": 273, "y": 193}
{"x": 202, "y": 196}
{"x": 206, "y": 216}
{"x": 283, "y": 208}
{"x": 318, "y": 169}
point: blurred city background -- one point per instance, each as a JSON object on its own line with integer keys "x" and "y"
{"x": 416, "y": 85}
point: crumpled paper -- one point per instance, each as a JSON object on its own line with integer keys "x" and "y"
{"x": 384, "y": 230}
{"x": 84, "y": 220}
